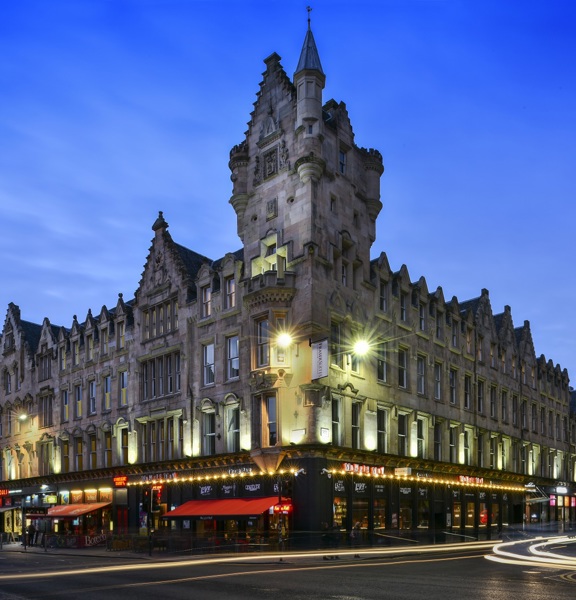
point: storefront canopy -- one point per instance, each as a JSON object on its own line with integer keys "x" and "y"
{"x": 6, "y": 508}
{"x": 233, "y": 507}
{"x": 75, "y": 510}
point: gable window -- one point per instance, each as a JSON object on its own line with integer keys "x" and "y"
{"x": 422, "y": 317}
{"x": 206, "y": 294}
{"x": 121, "y": 335}
{"x": 62, "y": 358}
{"x": 383, "y": 299}
{"x": 403, "y": 310}
{"x": 230, "y": 292}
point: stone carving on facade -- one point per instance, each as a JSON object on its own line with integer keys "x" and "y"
{"x": 257, "y": 171}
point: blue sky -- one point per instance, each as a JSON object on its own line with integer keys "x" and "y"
{"x": 111, "y": 110}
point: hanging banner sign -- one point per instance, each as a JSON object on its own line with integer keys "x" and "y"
{"x": 320, "y": 359}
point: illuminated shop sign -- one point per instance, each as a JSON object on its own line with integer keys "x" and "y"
{"x": 469, "y": 479}
{"x": 362, "y": 469}
{"x": 120, "y": 481}
{"x": 4, "y": 492}
{"x": 282, "y": 508}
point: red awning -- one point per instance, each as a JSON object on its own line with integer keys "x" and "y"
{"x": 75, "y": 510}
{"x": 233, "y": 507}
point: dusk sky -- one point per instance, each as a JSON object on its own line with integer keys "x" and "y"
{"x": 111, "y": 110}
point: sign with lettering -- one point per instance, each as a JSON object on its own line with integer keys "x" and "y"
{"x": 120, "y": 481}
{"x": 363, "y": 469}
{"x": 320, "y": 359}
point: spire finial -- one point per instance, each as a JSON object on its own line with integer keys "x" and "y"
{"x": 309, "y": 10}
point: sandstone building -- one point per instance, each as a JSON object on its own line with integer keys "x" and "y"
{"x": 296, "y": 372}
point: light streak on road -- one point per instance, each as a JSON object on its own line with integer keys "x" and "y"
{"x": 514, "y": 553}
{"x": 266, "y": 558}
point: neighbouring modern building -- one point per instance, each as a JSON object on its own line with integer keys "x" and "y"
{"x": 293, "y": 386}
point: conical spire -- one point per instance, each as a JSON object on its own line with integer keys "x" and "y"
{"x": 309, "y": 58}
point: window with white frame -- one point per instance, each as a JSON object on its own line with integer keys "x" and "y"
{"x": 402, "y": 368}
{"x": 106, "y": 392}
{"x": 383, "y": 296}
{"x": 421, "y": 374}
{"x": 123, "y": 391}
{"x": 208, "y": 364}
{"x": 160, "y": 376}
{"x": 438, "y": 381}
{"x": 229, "y": 292}
{"x": 92, "y": 397}
{"x": 232, "y": 357}
{"x": 402, "y": 434}
{"x": 206, "y": 296}
{"x": 78, "y": 401}
{"x": 453, "y": 382}
{"x": 64, "y": 402}
{"x": 336, "y": 421}
{"x": 233, "y": 428}
{"x": 270, "y": 420}
{"x": 493, "y": 398}
{"x": 262, "y": 342}
{"x": 356, "y": 410}
{"x": 382, "y": 430}
{"x": 480, "y": 396}
{"x": 438, "y": 441}
{"x": 504, "y": 405}
{"x": 382, "y": 362}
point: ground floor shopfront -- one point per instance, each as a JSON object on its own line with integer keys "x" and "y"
{"x": 309, "y": 498}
